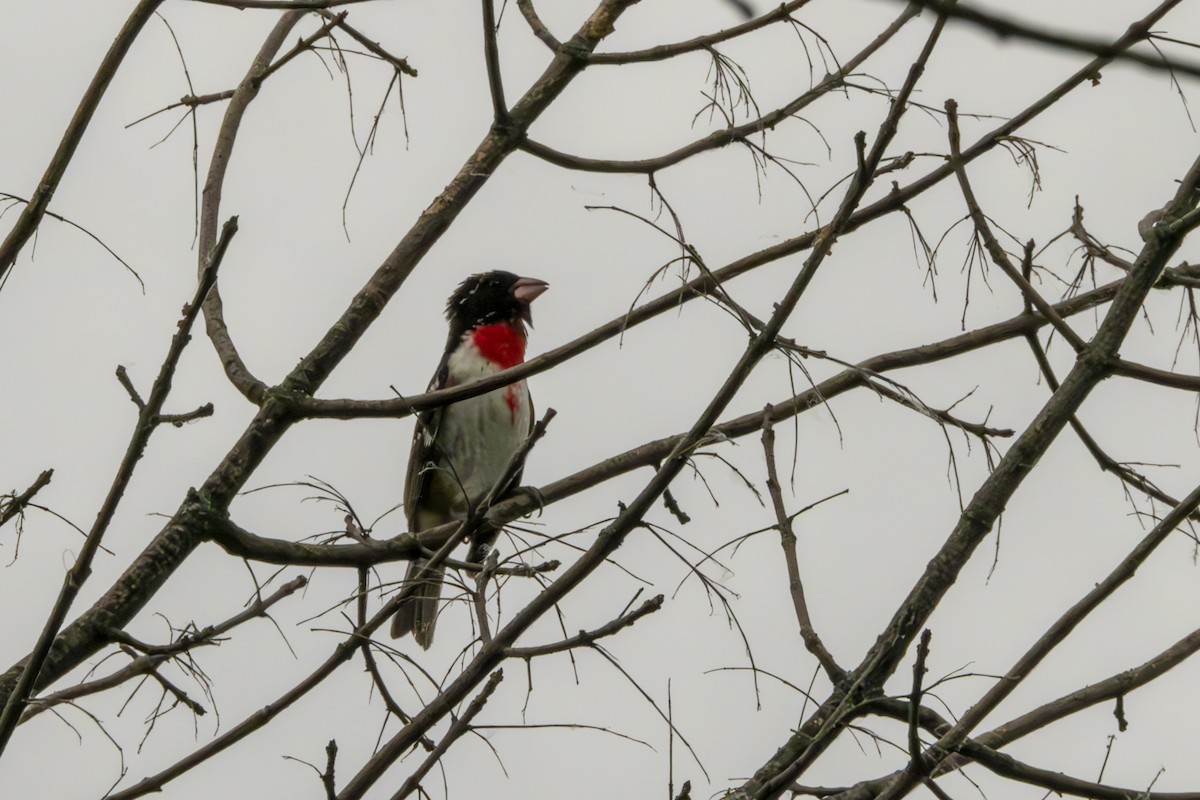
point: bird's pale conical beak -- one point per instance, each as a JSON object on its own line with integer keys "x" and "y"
{"x": 526, "y": 290}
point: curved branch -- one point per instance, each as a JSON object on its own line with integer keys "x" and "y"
{"x": 214, "y": 314}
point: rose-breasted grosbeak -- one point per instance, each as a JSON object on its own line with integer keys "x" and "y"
{"x": 460, "y": 451}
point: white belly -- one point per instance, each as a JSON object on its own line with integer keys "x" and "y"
{"x": 482, "y": 432}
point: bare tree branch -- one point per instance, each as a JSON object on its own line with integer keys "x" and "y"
{"x": 457, "y": 729}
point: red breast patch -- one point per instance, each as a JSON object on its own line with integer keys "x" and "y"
{"x": 500, "y": 343}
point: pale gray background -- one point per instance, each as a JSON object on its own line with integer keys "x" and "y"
{"x": 69, "y": 314}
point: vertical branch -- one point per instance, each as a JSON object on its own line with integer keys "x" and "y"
{"x": 916, "y": 763}
{"x": 210, "y": 204}
{"x": 491, "y": 55}
{"x": 787, "y": 538}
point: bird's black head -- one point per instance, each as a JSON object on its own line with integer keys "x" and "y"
{"x": 491, "y": 297}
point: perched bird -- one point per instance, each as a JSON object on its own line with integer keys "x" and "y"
{"x": 460, "y": 451}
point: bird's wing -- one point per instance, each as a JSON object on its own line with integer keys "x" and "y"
{"x": 424, "y": 448}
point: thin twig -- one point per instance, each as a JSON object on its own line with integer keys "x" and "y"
{"x": 400, "y": 64}
{"x": 588, "y": 638}
{"x": 31, "y": 215}
{"x": 455, "y": 732}
{"x": 787, "y": 538}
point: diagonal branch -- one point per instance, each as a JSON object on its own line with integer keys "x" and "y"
{"x": 589, "y": 638}
{"x": 153, "y": 656}
{"x": 1093, "y": 365}
{"x": 453, "y": 734}
{"x": 31, "y": 215}
{"x": 15, "y": 504}
{"x": 400, "y": 64}
{"x": 1113, "y": 687}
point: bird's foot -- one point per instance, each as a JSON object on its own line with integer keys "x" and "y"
{"x": 534, "y": 494}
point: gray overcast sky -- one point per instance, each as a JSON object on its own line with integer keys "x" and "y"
{"x": 70, "y": 313}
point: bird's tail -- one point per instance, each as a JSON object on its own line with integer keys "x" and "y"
{"x": 419, "y": 611}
